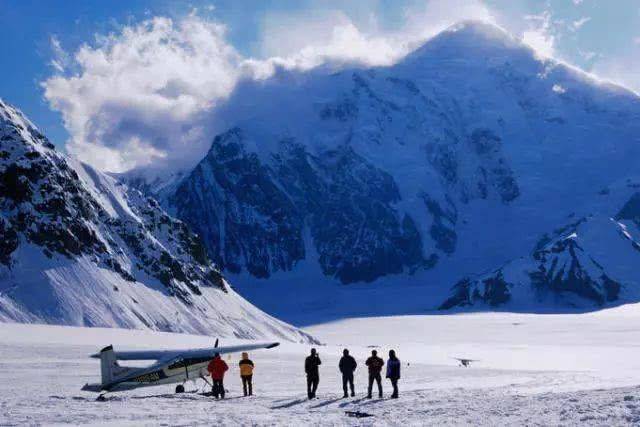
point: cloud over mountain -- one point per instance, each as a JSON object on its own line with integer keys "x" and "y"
{"x": 140, "y": 93}
{"x": 146, "y": 93}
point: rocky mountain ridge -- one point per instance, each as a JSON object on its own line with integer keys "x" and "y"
{"x": 79, "y": 248}
{"x": 451, "y": 162}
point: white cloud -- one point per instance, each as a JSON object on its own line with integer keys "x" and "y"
{"x": 541, "y": 41}
{"x": 539, "y": 35}
{"x": 141, "y": 93}
{"x": 576, "y": 25}
{"x": 144, "y": 95}
{"x": 59, "y": 57}
{"x": 305, "y": 40}
{"x": 621, "y": 69}
{"x": 587, "y": 55}
{"x": 147, "y": 94}
{"x": 558, "y": 89}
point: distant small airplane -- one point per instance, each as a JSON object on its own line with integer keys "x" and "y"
{"x": 171, "y": 366}
{"x": 465, "y": 362}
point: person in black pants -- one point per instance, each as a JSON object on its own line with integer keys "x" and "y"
{"x": 246, "y": 374}
{"x": 375, "y": 365}
{"x": 347, "y": 366}
{"x": 393, "y": 372}
{"x": 311, "y": 365}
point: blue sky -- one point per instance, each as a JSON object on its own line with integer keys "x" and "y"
{"x": 598, "y": 36}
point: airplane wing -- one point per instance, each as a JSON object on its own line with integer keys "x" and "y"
{"x": 192, "y": 353}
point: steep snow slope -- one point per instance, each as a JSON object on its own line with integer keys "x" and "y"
{"x": 449, "y": 163}
{"x": 77, "y": 248}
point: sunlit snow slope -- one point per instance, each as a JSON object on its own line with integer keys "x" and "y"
{"x": 77, "y": 248}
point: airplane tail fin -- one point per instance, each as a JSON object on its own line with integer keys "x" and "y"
{"x": 109, "y": 367}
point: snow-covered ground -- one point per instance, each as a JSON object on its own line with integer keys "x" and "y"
{"x": 532, "y": 369}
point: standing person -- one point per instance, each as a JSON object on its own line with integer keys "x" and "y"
{"x": 217, "y": 367}
{"x": 347, "y": 366}
{"x": 375, "y": 365}
{"x": 311, "y": 365}
{"x": 393, "y": 372}
{"x": 246, "y": 374}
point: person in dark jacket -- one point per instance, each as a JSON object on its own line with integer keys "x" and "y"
{"x": 393, "y": 372}
{"x": 217, "y": 367}
{"x": 246, "y": 374}
{"x": 347, "y": 366}
{"x": 311, "y": 365}
{"x": 375, "y": 365}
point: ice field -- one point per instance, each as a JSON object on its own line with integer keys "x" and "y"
{"x": 532, "y": 369}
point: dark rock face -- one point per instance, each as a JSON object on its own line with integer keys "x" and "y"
{"x": 444, "y": 222}
{"x": 263, "y": 208}
{"x": 356, "y": 221}
{"x": 559, "y": 274}
{"x": 8, "y": 241}
{"x": 494, "y": 170}
{"x": 253, "y": 210}
{"x": 493, "y": 291}
{"x": 342, "y": 111}
{"x": 45, "y": 203}
{"x": 460, "y": 295}
{"x": 232, "y": 201}
{"x": 631, "y": 210}
{"x": 558, "y": 266}
{"x": 482, "y": 149}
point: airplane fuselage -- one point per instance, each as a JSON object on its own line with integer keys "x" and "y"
{"x": 178, "y": 371}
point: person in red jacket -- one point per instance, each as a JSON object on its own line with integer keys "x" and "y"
{"x": 217, "y": 367}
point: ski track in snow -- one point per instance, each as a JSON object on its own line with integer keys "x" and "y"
{"x": 533, "y": 370}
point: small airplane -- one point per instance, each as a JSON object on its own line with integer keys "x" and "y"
{"x": 465, "y": 362}
{"x": 170, "y": 367}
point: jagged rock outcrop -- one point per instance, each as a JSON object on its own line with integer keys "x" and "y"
{"x": 78, "y": 248}
{"x": 262, "y": 211}
{"x": 589, "y": 263}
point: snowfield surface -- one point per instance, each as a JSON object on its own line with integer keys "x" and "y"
{"x": 532, "y": 369}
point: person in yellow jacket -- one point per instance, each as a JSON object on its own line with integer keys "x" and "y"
{"x": 246, "y": 373}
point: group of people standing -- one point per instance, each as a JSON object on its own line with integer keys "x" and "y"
{"x": 348, "y": 367}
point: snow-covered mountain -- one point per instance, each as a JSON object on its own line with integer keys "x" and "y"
{"x": 445, "y": 165}
{"x": 595, "y": 259}
{"x": 77, "y": 248}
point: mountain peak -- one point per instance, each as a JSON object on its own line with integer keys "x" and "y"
{"x": 478, "y": 28}
{"x": 470, "y": 38}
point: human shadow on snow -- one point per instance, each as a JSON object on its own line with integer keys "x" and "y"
{"x": 352, "y": 402}
{"x": 325, "y": 403}
{"x": 289, "y": 404}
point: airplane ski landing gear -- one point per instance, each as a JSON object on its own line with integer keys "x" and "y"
{"x": 180, "y": 388}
